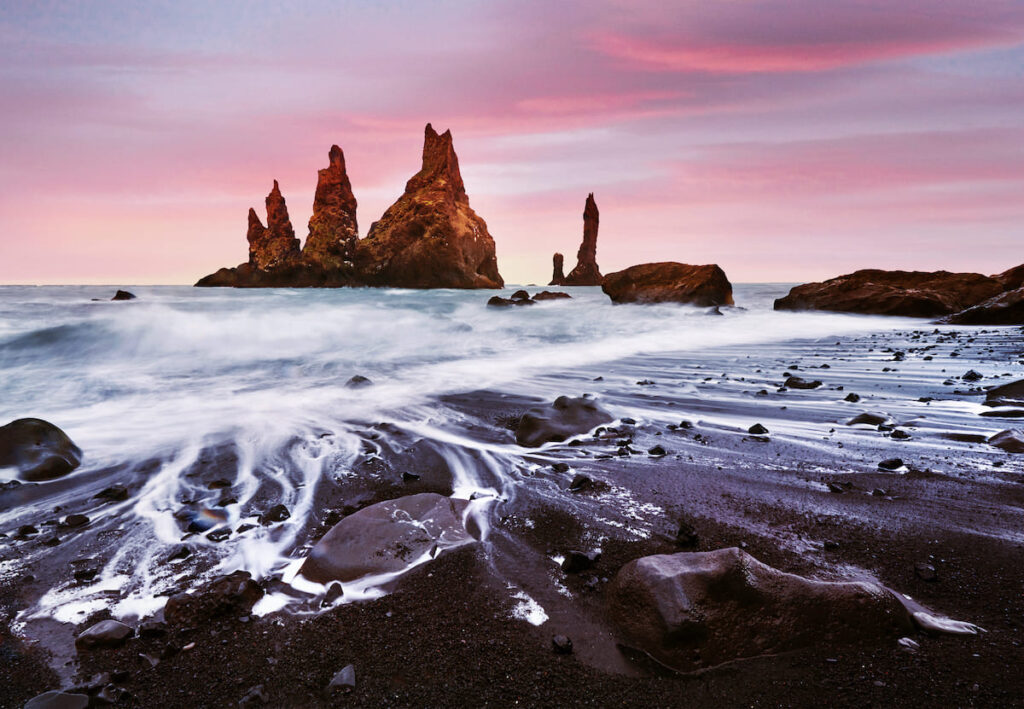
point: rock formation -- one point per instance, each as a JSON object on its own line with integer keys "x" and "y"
{"x": 586, "y": 272}
{"x": 669, "y": 282}
{"x": 906, "y": 293}
{"x": 1003, "y": 309}
{"x": 333, "y": 229}
{"x": 37, "y": 449}
{"x": 274, "y": 245}
{"x": 429, "y": 238}
{"x": 696, "y": 610}
{"x": 557, "y": 272}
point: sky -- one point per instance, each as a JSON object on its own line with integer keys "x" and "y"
{"x": 785, "y": 140}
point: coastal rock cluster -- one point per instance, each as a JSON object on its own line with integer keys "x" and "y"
{"x": 586, "y": 272}
{"x": 963, "y": 298}
{"x": 429, "y": 238}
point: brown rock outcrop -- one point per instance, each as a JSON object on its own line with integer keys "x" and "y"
{"x": 1004, "y": 309}
{"x": 275, "y": 244}
{"x": 557, "y": 272}
{"x": 696, "y": 610}
{"x": 586, "y": 272}
{"x": 333, "y": 229}
{"x": 431, "y": 237}
{"x": 669, "y": 282}
{"x": 905, "y": 293}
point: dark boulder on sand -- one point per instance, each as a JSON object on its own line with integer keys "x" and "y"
{"x": 564, "y": 418}
{"x": 1011, "y": 394}
{"x": 388, "y": 537}
{"x": 37, "y": 449}
{"x": 1004, "y": 309}
{"x": 1011, "y": 441}
{"x": 235, "y": 593}
{"x": 906, "y": 293}
{"x": 700, "y": 609}
{"x": 669, "y": 282}
{"x": 106, "y": 633}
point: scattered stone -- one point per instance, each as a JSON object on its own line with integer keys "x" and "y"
{"x": 852, "y": 398}
{"x": 836, "y": 488}
{"x": 800, "y": 383}
{"x": 879, "y": 492}
{"x": 334, "y": 592}
{"x": 658, "y": 451}
{"x": 358, "y": 381}
{"x": 700, "y": 609}
{"x": 27, "y": 530}
{"x": 891, "y": 464}
{"x": 830, "y": 545}
{"x": 277, "y": 513}
{"x": 972, "y": 376}
{"x": 37, "y": 449}
{"x": 219, "y": 535}
{"x": 114, "y": 493}
{"x": 106, "y": 633}
{"x": 234, "y": 594}
{"x": 562, "y": 645}
{"x": 75, "y": 520}
{"x": 757, "y": 430}
{"x": 900, "y": 435}
{"x": 344, "y": 680}
{"x": 565, "y": 418}
{"x": 577, "y": 561}
{"x": 925, "y": 572}
{"x": 560, "y": 467}
{"x": 580, "y": 482}
{"x": 870, "y": 419}
{"x": 254, "y": 697}
{"x": 123, "y": 295}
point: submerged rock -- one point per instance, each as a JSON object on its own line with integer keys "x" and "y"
{"x": 565, "y": 418}
{"x": 123, "y": 295}
{"x": 235, "y": 593}
{"x": 699, "y": 609}
{"x": 669, "y": 282}
{"x": 551, "y": 295}
{"x": 906, "y": 293}
{"x": 37, "y": 449}
{"x": 388, "y": 537}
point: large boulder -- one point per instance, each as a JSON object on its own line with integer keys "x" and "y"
{"x": 586, "y": 272}
{"x": 564, "y": 418}
{"x": 694, "y": 610}
{"x": 905, "y": 293}
{"x": 235, "y": 593}
{"x": 333, "y": 229}
{"x": 1004, "y": 309}
{"x": 431, "y": 237}
{"x": 1010, "y": 394}
{"x": 669, "y": 282}
{"x": 38, "y": 449}
{"x": 388, "y": 537}
{"x": 106, "y": 633}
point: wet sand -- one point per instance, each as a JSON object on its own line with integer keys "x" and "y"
{"x": 453, "y": 631}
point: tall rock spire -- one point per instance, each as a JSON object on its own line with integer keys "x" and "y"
{"x": 276, "y": 244}
{"x": 333, "y": 229}
{"x": 587, "y": 272}
{"x": 557, "y": 272}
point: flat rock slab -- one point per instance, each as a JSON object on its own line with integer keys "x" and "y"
{"x": 387, "y": 537}
{"x": 695, "y": 610}
{"x": 565, "y": 418}
{"x": 38, "y": 449}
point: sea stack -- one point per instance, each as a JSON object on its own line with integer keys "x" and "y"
{"x": 557, "y": 274}
{"x": 275, "y": 244}
{"x": 431, "y": 237}
{"x": 586, "y": 272}
{"x": 333, "y": 229}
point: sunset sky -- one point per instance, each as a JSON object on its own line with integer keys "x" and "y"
{"x": 787, "y": 140}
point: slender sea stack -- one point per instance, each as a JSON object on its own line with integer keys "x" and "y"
{"x": 557, "y": 274}
{"x": 431, "y": 237}
{"x": 586, "y": 272}
{"x": 276, "y": 244}
{"x": 333, "y": 229}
